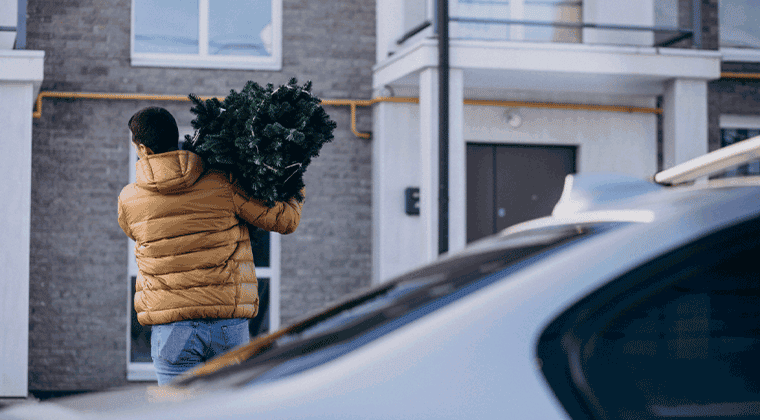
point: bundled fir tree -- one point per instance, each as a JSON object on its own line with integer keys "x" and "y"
{"x": 264, "y": 137}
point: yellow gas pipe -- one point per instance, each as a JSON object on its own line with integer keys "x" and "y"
{"x": 352, "y": 103}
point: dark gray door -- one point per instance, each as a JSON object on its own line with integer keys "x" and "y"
{"x": 509, "y": 184}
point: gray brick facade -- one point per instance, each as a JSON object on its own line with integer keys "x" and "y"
{"x": 733, "y": 96}
{"x": 78, "y": 289}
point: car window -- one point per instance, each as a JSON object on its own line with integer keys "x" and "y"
{"x": 677, "y": 337}
{"x": 371, "y": 315}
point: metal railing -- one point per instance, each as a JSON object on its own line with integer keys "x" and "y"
{"x": 673, "y": 35}
{"x": 678, "y": 33}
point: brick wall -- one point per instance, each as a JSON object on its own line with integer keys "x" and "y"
{"x": 78, "y": 289}
{"x": 732, "y": 96}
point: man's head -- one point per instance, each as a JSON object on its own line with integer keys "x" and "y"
{"x": 154, "y": 128}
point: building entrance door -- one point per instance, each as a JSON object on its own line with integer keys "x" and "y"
{"x": 508, "y": 184}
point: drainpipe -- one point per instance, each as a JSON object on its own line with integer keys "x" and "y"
{"x": 443, "y": 125}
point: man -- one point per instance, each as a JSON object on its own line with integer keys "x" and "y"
{"x": 196, "y": 285}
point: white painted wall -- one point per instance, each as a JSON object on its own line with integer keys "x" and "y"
{"x": 684, "y": 122}
{"x": 397, "y": 245}
{"x": 20, "y": 75}
{"x": 606, "y": 141}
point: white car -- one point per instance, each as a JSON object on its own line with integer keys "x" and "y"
{"x": 635, "y": 299}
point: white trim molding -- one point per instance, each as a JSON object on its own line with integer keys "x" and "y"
{"x": 750, "y": 122}
{"x": 740, "y": 54}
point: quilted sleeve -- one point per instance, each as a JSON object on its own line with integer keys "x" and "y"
{"x": 123, "y": 221}
{"x": 282, "y": 218}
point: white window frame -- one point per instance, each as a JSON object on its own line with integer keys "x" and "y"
{"x": 143, "y": 371}
{"x": 203, "y": 59}
{"x": 740, "y": 54}
{"x": 748, "y": 122}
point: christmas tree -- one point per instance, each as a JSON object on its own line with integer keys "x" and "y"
{"x": 264, "y": 137}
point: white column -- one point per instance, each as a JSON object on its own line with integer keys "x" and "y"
{"x": 380, "y": 157}
{"x": 20, "y": 75}
{"x": 457, "y": 163}
{"x": 397, "y": 238}
{"x": 429, "y": 163}
{"x": 684, "y": 121}
{"x": 15, "y": 206}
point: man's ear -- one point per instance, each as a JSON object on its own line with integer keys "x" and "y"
{"x": 145, "y": 150}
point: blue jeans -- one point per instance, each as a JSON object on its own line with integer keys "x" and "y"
{"x": 180, "y": 346}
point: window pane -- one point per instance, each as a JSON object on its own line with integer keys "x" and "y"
{"x": 240, "y": 27}
{"x": 166, "y": 26}
{"x": 731, "y": 136}
{"x": 689, "y": 350}
{"x": 739, "y": 23}
{"x": 260, "y": 324}
{"x": 260, "y": 246}
{"x": 140, "y": 345}
{"x": 676, "y": 337}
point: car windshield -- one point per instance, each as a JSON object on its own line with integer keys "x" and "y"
{"x": 379, "y": 311}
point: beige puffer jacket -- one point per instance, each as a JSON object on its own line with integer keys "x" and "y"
{"x": 193, "y": 251}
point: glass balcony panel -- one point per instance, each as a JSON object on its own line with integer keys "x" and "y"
{"x": 482, "y": 9}
{"x": 166, "y": 26}
{"x": 553, "y": 11}
{"x": 415, "y": 13}
{"x": 739, "y": 23}
{"x": 240, "y": 27}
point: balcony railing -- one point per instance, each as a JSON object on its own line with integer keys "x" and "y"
{"x": 468, "y": 27}
{"x": 671, "y": 35}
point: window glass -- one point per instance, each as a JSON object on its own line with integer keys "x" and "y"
{"x": 260, "y": 240}
{"x": 259, "y": 325}
{"x": 166, "y": 26}
{"x": 553, "y": 11}
{"x": 739, "y": 23}
{"x": 678, "y": 337}
{"x": 482, "y": 9}
{"x": 729, "y": 136}
{"x": 240, "y": 27}
{"x": 140, "y": 335}
{"x": 568, "y": 11}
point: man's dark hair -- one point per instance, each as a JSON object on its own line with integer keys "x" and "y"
{"x": 155, "y": 128}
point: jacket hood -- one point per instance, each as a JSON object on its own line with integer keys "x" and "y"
{"x": 168, "y": 172}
